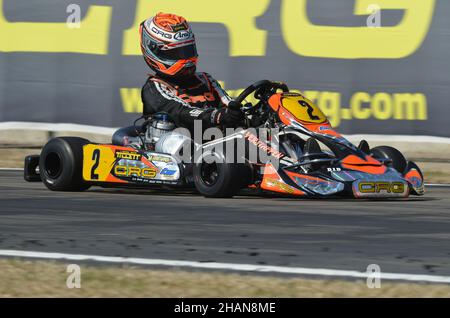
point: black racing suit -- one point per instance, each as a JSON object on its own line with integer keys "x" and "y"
{"x": 197, "y": 97}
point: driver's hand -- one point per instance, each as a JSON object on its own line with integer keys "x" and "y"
{"x": 231, "y": 116}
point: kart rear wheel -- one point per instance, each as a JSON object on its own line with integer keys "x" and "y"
{"x": 61, "y": 162}
{"x": 385, "y": 152}
{"x": 215, "y": 178}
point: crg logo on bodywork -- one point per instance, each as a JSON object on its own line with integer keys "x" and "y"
{"x": 380, "y": 187}
{"x": 128, "y": 171}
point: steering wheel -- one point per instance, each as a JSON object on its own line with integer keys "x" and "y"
{"x": 261, "y": 88}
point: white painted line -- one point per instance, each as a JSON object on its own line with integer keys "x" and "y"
{"x": 437, "y": 185}
{"x": 224, "y": 266}
{"x": 399, "y": 138}
{"x": 23, "y": 125}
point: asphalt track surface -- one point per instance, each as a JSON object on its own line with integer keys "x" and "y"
{"x": 402, "y": 236}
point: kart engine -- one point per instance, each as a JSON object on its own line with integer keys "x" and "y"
{"x": 161, "y": 137}
{"x": 158, "y": 126}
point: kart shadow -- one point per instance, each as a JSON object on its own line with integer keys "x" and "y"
{"x": 249, "y": 194}
{"x": 147, "y": 191}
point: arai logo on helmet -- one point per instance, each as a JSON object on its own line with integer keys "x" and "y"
{"x": 182, "y": 35}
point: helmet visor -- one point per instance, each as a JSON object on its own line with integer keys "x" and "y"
{"x": 178, "y": 53}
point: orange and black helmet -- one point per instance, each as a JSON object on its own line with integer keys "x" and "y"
{"x": 168, "y": 44}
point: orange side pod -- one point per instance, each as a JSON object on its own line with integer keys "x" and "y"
{"x": 370, "y": 165}
{"x": 273, "y": 182}
{"x": 413, "y": 173}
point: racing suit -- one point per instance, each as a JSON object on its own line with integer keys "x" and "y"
{"x": 185, "y": 99}
{"x": 197, "y": 97}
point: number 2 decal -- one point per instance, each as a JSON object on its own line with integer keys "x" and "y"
{"x": 310, "y": 109}
{"x": 96, "y": 158}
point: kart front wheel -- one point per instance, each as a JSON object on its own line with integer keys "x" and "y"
{"x": 215, "y": 178}
{"x": 60, "y": 164}
{"x": 385, "y": 152}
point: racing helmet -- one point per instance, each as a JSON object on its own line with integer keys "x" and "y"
{"x": 168, "y": 44}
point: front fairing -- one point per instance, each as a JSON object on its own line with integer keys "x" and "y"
{"x": 350, "y": 172}
{"x": 335, "y": 180}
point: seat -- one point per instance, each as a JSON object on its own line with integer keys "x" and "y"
{"x": 312, "y": 147}
{"x": 364, "y": 147}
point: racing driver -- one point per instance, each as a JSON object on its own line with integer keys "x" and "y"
{"x": 169, "y": 49}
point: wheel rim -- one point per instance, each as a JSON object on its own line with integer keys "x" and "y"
{"x": 53, "y": 165}
{"x": 209, "y": 173}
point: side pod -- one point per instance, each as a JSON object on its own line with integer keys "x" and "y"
{"x": 414, "y": 176}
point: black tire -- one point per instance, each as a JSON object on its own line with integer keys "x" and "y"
{"x": 385, "y": 152}
{"x": 61, "y": 163}
{"x": 219, "y": 179}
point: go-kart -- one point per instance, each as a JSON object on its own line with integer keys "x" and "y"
{"x": 300, "y": 155}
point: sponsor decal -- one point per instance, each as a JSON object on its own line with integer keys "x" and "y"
{"x": 196, "y": 112}
{"x": 159, "y": 158}
{"x": 162, "y": 33}
{"x": 179, "y": 27}
{"x": 168, "y": 172}
{"x": 130, "y": 171}
{"x": 290, "y": 94}
{"x": 130, "y": 155}
{"x": 381, "y": 187}
{"x": 281, "y": 185}
{"x": 182, "y": 35}
{"x": 333, "y": 169}
{"x": 262, "y": 145}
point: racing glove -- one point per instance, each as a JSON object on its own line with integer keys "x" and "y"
{"x": 230, "y": 116}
